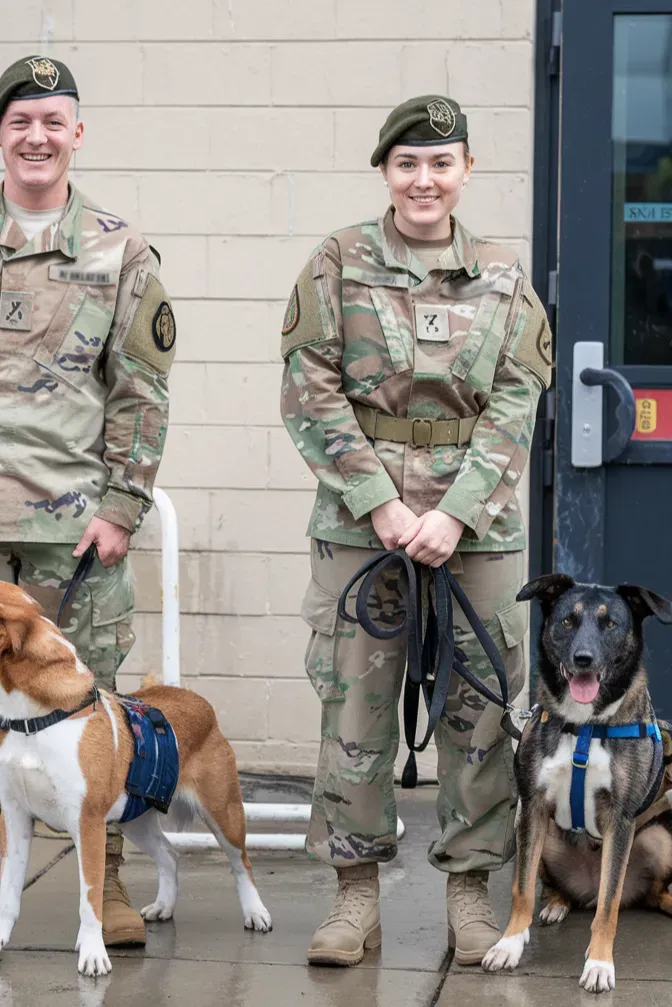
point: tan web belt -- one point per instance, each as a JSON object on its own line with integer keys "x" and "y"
{"x": 420, "y": 433}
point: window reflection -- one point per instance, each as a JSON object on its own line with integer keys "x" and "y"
{"x": 642, "y": 191}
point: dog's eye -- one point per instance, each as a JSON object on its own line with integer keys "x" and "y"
{"x": 610, "y": 624}
{"x": 567, "y": 623}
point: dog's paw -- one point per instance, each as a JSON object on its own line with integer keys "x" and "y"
{"x": 598, "y": 977}
{"x": 259, "y": 919}
{"x": 553, "y": 912}
{"x": 93, "y": 959}
{"x": 6, "y": 927}
{"x": 506, "y": 953}
{"x": 157, "y": 911}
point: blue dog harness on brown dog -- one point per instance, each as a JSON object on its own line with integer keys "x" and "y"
{"x": 153, "y": 773}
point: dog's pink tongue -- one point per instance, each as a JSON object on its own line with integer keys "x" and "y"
{"x": 584, "y": 688}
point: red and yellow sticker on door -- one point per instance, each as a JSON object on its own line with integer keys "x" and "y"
{"x": 654, "y": 414}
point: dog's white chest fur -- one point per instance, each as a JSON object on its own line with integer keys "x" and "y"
{"x": 42, "y": 773}
{"x": 555, "y": 778}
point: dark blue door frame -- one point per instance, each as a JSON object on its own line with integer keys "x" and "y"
{"x": 579, "y": 532}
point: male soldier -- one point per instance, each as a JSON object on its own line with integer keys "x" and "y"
{"x": 87, "y": 340}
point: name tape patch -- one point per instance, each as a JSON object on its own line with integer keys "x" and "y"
{"x": 89, "y": 277}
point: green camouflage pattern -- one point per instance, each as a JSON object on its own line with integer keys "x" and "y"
{"x": 358, "y": 679}
{"x": 371, "y": 325}
{"x": 98, "y": 616}
{"x": 82, "y": 422}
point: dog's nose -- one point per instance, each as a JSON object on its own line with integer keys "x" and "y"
{"x": 583, "y": 658}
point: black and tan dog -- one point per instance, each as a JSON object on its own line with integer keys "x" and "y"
{"x": 594, "y": 818}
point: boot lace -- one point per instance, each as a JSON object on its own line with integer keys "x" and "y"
{"x": 352, "y": 900}
{"x": 469, "y": 893}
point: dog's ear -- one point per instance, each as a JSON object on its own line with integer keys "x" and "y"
{"x": 547, "y": 588}
{"x": 13, "y": 634}
{"x": 18, "y": 612}
{"x": 644, "y": 603}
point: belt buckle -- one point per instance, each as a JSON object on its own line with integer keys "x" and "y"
{"x": 423, "y": 439}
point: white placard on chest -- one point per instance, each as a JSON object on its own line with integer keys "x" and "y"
{"x": 431, "y": 323}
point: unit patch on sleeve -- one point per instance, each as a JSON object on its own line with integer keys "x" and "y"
{"x": 151, "y": 332}
{"x": 163, "y": 327}
{"x": 292, "y": 314}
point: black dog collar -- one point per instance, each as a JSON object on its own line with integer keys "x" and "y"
{"x": 34, "y": 725}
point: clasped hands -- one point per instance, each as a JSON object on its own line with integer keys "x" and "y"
{"x": 430, "y": 539}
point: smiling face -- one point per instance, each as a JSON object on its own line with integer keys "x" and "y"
{"x": 425, "y": 186}
{"x": 38, "y": 137}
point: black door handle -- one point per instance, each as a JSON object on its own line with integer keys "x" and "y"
{"x": 626, "y": 409}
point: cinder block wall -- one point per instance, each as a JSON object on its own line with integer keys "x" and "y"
{"x": 236, "y": 134}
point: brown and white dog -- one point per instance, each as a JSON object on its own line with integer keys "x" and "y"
{"x": 72, "y": 776}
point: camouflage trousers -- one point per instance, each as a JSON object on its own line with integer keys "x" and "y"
{"x": 359, "y": 678}
{"x": 97, "y": 618}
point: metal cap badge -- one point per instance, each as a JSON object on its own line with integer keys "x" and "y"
{"x": 45, "y": 74}
{"x": 423, "y": 121}
{"x": 441, "y": 117}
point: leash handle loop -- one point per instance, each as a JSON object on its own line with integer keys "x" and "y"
{"x": 431, "y": 651}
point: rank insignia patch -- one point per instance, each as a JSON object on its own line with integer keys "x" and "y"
{"x": 45, "y": 74}
{"x": 163, "y": 327}
{"x": 441, "y": 117}
{"x": 292, "y": 313}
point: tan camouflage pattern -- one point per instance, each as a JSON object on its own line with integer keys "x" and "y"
{"x": 98, "y": 616}
{"x": 368, "y": 323}
{"x": 358, "y": 680}
{"x": 82, "y": 421}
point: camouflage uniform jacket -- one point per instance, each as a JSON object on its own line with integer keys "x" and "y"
{"x": 86, "y": 341}
{"x": 366, "y": 323}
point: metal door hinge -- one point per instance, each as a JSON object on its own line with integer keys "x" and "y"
{"x": 556, "y": 44}
{"x": 548, "y": 439}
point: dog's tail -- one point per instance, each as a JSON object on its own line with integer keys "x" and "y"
{"x": 149, "y": 681}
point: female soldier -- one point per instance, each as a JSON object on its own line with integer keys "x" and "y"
{"x": 415, "y": 356}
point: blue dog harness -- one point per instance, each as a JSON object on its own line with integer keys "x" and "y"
{"x": 586, "y": 733}
{"x": 152, "y": 776}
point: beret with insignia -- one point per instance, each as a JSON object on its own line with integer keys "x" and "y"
{"x": 421, "y": 122}
{"x": 35, "y": 77}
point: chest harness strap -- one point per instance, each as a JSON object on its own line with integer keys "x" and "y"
{"x": 585, "y": 734}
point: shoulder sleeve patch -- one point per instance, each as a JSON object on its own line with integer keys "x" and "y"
{"x": 151, "y": 336}
{"x": 302, "y": 325}
{"x": 291, "y": 319}
{"x": 532, "y": 342}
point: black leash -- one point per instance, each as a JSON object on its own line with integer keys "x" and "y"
{"x": 432, "y": 654}
{"x": 82, "y": 571}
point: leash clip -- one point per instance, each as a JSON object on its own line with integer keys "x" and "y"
{"x": 522, "y": 714}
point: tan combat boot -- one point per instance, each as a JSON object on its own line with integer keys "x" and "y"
{"x": 471, "y": 917}
{"x": 121, "y": 923}
{"x": 354, "y": 921}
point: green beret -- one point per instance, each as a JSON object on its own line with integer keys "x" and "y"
{"x": 421, "y": 122}
{"x": 35, "y": 77}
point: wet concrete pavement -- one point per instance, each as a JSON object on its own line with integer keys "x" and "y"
{"x": 205, "y": 958}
